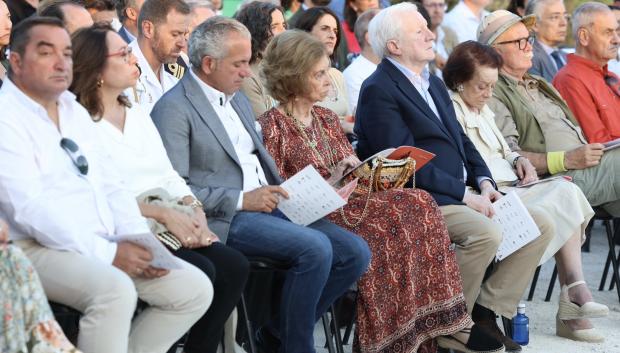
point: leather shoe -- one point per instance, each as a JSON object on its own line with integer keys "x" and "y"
{"x": 479, "y": 342}
{"x": 487, "y": 321}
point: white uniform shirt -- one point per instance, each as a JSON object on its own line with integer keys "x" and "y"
{"x": 140, "y": 156}
{"x": 354, "y": 76}
{"x": 253, "y": 174}
{"x": 149, "y": 88}
{"x": 463, "y": 22}
{"x": 42, "y": 193}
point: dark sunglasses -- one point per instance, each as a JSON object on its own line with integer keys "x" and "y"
{"x": 72, "y": 149}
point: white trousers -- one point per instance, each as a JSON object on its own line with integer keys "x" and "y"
{"x": 107, "y": 298}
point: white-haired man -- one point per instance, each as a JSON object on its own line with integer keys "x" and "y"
{"x": 401, "y": 104}
{"x": 551, "y": 27}
{"x": 591, "y": 91}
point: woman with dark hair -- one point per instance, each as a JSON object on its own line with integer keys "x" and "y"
{"x": 264, "y": 20}
{"x": 517, "y": 7}
{"x": 471, "y": 73}
{"x": 103, "y": 67}
{"x": 412, "y": 292}
{"x": 323, "y": 24}
{"x": 5, "y": 34}
{"x": 352, "y": 9}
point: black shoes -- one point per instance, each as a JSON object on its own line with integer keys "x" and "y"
{"x": 487, "y": 321}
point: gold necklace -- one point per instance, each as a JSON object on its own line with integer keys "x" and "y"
{"x": 314, "y": 143}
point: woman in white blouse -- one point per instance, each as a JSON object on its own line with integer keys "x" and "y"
{"x": 471, "y": 72}
{"x": 103, "y": 68}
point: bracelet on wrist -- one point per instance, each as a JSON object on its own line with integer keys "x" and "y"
{"x": 514, "y": 161}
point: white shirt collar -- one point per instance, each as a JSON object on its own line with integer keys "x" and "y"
{"x": 547, "y": 48}
{"x": 422, "y": 80}
{"x": 214, "y": 96}
{"x": 65, "y": 98}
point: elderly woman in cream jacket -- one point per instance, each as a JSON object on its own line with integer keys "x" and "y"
{"x": 471, "y": 72}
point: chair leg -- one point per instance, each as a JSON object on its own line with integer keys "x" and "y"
{"x": 248, "y": 325}
{"x": 349, "y": 329}
{"x": 554, "y": 277}
{"x": 601, "y": 285}
{"x": 533, "y": 285}
{"x": 328, "y": 334}
{"x": 335, "y": 327}
{"x": 612, "y": 254}
{"x": 612, "y": 284}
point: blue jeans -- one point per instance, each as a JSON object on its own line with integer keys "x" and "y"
{"x": 326, "y": 260}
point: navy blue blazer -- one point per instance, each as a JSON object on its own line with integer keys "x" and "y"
{"x": 391, "y": 113}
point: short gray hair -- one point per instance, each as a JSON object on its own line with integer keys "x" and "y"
{"x": 210, "y": 38}
{"x": 584, "y": 14}
{"x": 386, "y": 26}
{"x": 361, "y": 25}
{"x": 534, "y": 7}
{"x": 198, "y": 4}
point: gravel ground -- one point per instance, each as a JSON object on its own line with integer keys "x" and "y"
{"x": 542, "y": 314}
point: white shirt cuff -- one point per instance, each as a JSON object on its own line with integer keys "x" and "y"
{"x": 240, "y": 201}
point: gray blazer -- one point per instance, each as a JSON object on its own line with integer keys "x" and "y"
{"x": 202, "y": 153}
{"x": 542, "y": 64}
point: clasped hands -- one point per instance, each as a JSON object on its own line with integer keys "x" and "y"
{"x": 192, "y": 231}
{"x": 483, "y": 203}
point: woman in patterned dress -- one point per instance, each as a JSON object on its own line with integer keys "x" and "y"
{"x": 28, "y": 324}
{"x": 412, "y": 291}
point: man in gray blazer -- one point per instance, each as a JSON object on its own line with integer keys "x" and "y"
{"x": 209, "y": 132}
{"x": 551, "y": 28}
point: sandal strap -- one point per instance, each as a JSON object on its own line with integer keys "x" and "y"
{"x": 569, "y": 286}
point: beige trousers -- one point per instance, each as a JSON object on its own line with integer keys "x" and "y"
{"x": 601, "y": 184}
{"x": 107, "y": 298}
{"x": 477, "y": 238}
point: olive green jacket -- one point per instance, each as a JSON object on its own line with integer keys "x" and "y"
{"x": 531, "y": 137}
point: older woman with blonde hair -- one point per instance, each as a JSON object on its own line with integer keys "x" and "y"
{"x": 471, "y": 73}
{"x": 412, "y": 291}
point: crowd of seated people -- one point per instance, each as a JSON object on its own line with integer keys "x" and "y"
{"x": 166, "y": 119}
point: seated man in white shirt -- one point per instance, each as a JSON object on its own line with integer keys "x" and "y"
{"x": 67, "y": 204}
{"x": 465, "y": 17}
{"x": 365, "y": 64}
{"x": 163, "y": 26}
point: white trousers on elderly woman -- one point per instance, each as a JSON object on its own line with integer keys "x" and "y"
{"x": 107, "y": 298}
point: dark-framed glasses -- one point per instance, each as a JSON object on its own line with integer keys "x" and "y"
{"x": 522, "y": 42}
{"x": 124, "y": 53}
{"x": 73, "y": 150}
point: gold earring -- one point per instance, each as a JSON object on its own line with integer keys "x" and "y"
{"x": 100, "y": 83}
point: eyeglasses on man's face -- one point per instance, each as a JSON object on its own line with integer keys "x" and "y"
{"x": 521, "y": 42}
{"x": 73, "y": 150}
{"x": 124, "y": 53}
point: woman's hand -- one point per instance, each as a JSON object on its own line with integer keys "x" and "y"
{"x": 4, "y": 232}
{"x": 207, "y": 237}
{"x": 182, "y": 226}
{"x": 525, "y": 171}
{"x": 342, "y": 168}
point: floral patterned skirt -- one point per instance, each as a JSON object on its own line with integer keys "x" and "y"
{"x": 412, "y": 291}
{"x": 27, "y": 321}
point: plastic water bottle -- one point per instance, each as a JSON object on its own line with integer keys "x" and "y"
{"x": 521, "y": 326}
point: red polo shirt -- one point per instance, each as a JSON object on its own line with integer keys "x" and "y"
{"x": 581, "y": 83}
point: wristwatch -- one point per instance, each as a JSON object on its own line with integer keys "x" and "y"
{"x": 196, "y": 204}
